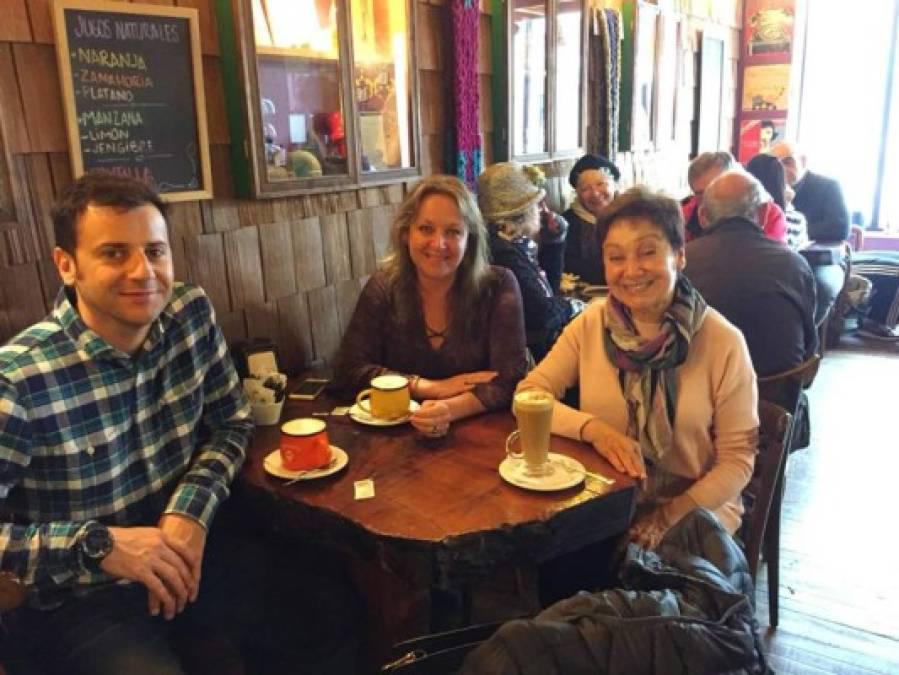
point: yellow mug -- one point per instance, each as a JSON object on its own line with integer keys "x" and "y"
{"x": 388, "y": 398}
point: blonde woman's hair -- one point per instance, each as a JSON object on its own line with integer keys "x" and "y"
{"x": 470, "y": 285}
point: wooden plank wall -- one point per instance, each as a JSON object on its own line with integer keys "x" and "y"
{"x": 288, "y": 268}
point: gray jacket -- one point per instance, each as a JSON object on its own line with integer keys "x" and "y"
{"x": 687, "y": 608}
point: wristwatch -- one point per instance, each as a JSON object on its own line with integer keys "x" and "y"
{"x": 94, "y": 544}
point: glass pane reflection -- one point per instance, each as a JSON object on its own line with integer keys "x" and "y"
{"x": 529, "y": 77}
{"x": 298, "y": 68}
{"x": 568, "y": 75}
{"x": 382, "y": 84}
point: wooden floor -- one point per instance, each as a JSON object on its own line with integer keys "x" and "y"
{"x": 839, "y": 594}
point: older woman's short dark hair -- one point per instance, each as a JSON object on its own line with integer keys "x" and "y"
{"x": 642, "y": 203}
{"x": 100, "y": 188}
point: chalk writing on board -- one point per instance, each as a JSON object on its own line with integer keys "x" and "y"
{"x": 134, "y": 97}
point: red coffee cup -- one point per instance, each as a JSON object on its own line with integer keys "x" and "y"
{"x": 304, "y": 444}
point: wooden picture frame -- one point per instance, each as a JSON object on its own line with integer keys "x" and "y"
{"x": 710, "y": 91}
{"x": 666, "y": 76}
{"x": 132, "y": 88}
{"x": 643, "y": 104}
{"x": 244, "y": 96}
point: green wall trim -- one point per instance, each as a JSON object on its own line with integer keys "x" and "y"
{"x": 626, "y": 101}
{"x": 234, "y": 95}
{"x": 500, "y": 106}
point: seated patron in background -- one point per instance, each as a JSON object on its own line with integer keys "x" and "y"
{"x": 122, "y": 425}
{"x": 508, "y": 202}
{"x": 553, "y": 231}
{"x": 438, "y": 312}
{"x": 667, "y": 389}
{"x": 762, "y": 287}
{"x": 770, "y": 173}
{"x": 594, "y": 179}
{"x": 819, "y": 198}
{"x": 706, "y": 168}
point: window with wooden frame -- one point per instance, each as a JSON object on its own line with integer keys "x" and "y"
{"x": 331, "y": 91}
{"x": 546, "y": 56}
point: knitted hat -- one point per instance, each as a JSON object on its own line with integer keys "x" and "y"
{"x": 504, "y": 190}
{"x": 588, "y": 162}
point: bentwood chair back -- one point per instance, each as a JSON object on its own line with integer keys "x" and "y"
{"x": 785, "y": 389}
{"x": 762, "y": 494}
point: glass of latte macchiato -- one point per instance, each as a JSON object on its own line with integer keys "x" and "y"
{"x": 533, "y": 410}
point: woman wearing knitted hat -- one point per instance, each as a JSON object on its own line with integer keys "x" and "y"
{"x": 509, "y": 203}
{"x": 553, "y": 230}
{"x": 595, "y": 180}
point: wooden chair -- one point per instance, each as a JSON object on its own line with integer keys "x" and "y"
{"x": 762, "y": 497}
{"x": 785, "y": 389}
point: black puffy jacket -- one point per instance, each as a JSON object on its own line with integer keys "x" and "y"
{"x": 686, "y": 608}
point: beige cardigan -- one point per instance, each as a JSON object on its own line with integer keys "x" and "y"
{"x": 716, "y": 419}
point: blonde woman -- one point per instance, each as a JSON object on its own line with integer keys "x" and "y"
{"x": 438, "y": 312}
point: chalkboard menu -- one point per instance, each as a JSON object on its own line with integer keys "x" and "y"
{"x": 133, "y": 91}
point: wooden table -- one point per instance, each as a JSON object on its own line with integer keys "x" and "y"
{"x": 441, "y": 517}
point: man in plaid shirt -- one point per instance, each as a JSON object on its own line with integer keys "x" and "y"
{"x": 122, "y": 424}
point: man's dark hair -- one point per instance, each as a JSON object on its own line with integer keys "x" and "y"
{"x": 100, "y": 188}
{"x": 640, "y": 202}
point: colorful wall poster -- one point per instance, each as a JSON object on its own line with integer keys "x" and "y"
{"x": 766, "y": 87}
{"x": 769, "y": 27}
{"x": 757, "y": 136}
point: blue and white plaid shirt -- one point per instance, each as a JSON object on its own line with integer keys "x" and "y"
{"x": 88, "y": 433}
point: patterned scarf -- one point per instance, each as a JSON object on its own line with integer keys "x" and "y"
{"x": 646, "y": 366}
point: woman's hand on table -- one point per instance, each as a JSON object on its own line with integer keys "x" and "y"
{"x": 451, "y": 386}
{"x": 620, "y": 451}
{"x": 432, "y": 418}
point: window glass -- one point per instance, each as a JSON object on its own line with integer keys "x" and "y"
{"x": 568, "y": 76}
{"x": 298, "y": 68}
{"x": 529, "y": 77}
{"x": 382, "y": 85}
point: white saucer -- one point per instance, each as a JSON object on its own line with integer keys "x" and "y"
{"x": 272, "y": 464}
{"x": 363, "y": 417}
{"x": 566, "y": 472}
{"x": 595, "y": 291}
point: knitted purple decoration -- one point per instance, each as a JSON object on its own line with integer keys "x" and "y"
{"x": 466, "y": 20}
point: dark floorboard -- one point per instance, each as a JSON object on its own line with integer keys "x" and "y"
{"x": 839, "y": 595}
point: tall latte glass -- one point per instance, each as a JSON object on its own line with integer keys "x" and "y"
{"x": 534, "y": 412}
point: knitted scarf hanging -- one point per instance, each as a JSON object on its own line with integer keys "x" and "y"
{"x": 466, "y": 18}
{"x": 605, "y": 83}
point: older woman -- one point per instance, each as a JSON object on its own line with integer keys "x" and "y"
{"x": 509, "y": 202}
{"x": 437, "y": 312}
{"x": 594, "y": 179}
{"x": 667, "y": 390}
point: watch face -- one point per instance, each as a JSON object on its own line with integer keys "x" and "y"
{"x": 97, "y": 543}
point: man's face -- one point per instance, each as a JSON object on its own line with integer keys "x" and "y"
{"x": 704, "y": 180}
{"x": 793, "y": 164}
{"x": 121, "y": 271}
{"x": 792, "y": 169}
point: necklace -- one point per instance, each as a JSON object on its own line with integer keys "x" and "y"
{"x": 431, "y": 333}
